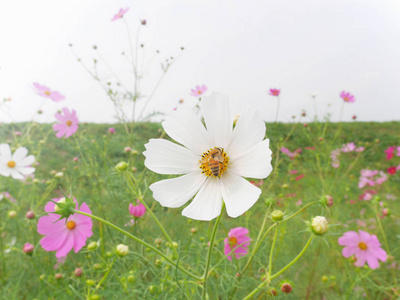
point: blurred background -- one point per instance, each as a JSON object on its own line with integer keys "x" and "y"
{"x": 238, "y": 48}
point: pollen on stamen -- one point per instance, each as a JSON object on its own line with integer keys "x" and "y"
{"x": 47, "y": 93}
{"x": 11, "y": 164}
{"x": 71, "y": 225}
{"x": 69, "y": 123}
{"x": 205, "y": 163}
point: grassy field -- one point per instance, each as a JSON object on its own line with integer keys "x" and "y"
{"x": 321, "y": 273}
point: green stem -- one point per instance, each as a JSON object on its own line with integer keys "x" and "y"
{"x": 141, "y": 198}
{"x": 271, "y": 254}
{"x": 209, "y": 254}
{"x": 139, "y": 241}
{"x": 105, "y": 275}
{"x": 262, "y": 284}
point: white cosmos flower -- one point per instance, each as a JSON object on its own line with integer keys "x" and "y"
{"x": 246, "y": 154}
{"x": 15, "y": 164}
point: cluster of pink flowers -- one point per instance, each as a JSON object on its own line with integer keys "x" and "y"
{"x": 293, "y": 154}
{"x": 349, "y": 147}
{"x": 364, "y": 246}
{"x": 391, "y": 150}
{"x": 369, "y": 178}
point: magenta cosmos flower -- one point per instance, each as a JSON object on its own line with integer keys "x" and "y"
{"x": 364, "y": 246}
{"x": 274, "y": 92}
{"x": 46, "y": 92}
{"x": 198, "y": 91}
{"x": 68, "y": 123}
{"x": 63, "y": 235}
{"x": 347, "y": 97}
{"x": 137, "y": 210}
{"x": 120, "y": 14}
{"x": 238, "y": 241}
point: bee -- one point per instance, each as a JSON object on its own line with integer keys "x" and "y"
{"x": 214, "y": 158}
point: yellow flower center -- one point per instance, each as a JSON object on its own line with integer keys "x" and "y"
{"x": 71, "y": 225}
{"x": 214, "y": 162}
{"x": 11, "y": 164}
{"x": 233, "y": 241}
{"x": 362, "y": 246}
{"x": 47, "y": 93}
{"x": 69, "y": 123}
{"x": 199, "y": 92}
{"x": 346, "y": 98}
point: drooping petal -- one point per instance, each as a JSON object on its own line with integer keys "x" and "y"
{"x": 66, "y": 246}
{"x": 361, "y": 258}
{"x": 208, "y": 202}
{"x": 56, "y": 96}
{"x": 177, "y": 191}
{"x": 4, "y": 171}
{"x": 254, "y": 163}
{"x": 15, "y": 174}
{"x": 185, "y": 127}
{"x": 48, "y": 225}
{"x": 79, "y": 240}
{"x": 53, "y": 242}
{"x": 218, "y": 117}
{"x": 26, "y": 170}
{"x": 249, "y": 131}
{"x": 238, "y": 194}
{"x": 165, "y": 157}
{"x": 62, "y": 132}
{"x": 349, "y": 251}
{"x": 372, "y": 262}
{"x": 349, "y": 238}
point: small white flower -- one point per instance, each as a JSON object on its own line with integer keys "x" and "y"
{"x": 17, "y": 164}
{"x": 213, "y": 161}
{"x": 319, "y": 225}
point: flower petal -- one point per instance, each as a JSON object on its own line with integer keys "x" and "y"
{"x": 249, "y": 131}
{"x": 5, "y": 152}
{"x": 15, "y": 174}
{"x": 218, "y": 117}
{"x": 165, "y": 157}
{"x": 185, "y": 127}
{"x": 254, "y": 163}
{"x": 177, "y": 191}
{"x": 19, "y": 154}
{"x": 26, "y": 161}
{"x": 26, "y": 170}
{"x": 208, "y": 202}
{"x": 238, "y": 194}
{"x": 66, "y": 246}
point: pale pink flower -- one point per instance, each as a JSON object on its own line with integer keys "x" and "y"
{"x": 383, "y": 177}
{"x": 137, "y": 210}
{"x": 350, "y": 147}
{"x": 364, "y": 246}
{"x": 347, "y": 97}
{"x": 398, "y": 151}
{"x": 274, "y": 92}
{"x": 46, "y": 92}
{"x": 120, "y": 14}
{"x": 298, "y": 203}
{"x": 63, "y": 235}
{"x": 237, "y": 240}
{"x": 198, "y": 91}
{"x": 7, "y": 195}
{"x": 68, "y": 123}
{"x": 359, "y": 149}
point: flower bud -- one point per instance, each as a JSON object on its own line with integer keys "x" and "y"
{"x": 277, "y": 215}
{"x": 92, "y": 246}
{"x": 12, "y": 214}
{"x": 56, "y": 207}
{"x": 131, "y": 279}
{"x": 59, "y": 175}
{"x": 30, "y": 215}
{"x": 121, "y": 166}
{"x": 319, "y": 225}
{"x": 127, "y": 149}
{"x": 90, "y": 282}
{"x": 78, "y": 272}
{"x": 97, "y": 266}
{"x": 386, "y": 212}
{"x": 326, "y": 201}
{"x": 35, "y": 180}
{"x": 286, "y": 288}
{"x": 75, "y": 159}
{"x": 324, "y": 278}
{"x": 111, "y": 130}
{"x": 28, "y": 248}
{"x": 58, "y": 276}
{"x": 122, "y": 250}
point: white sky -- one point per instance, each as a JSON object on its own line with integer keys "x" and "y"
{"x": 239, "y": 48}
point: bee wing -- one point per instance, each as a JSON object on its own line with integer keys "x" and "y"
{"x": 218, "y": 157}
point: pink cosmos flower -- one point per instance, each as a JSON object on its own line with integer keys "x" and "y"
{"x": 120, "y": 14}
{"x": 237, "y": 240}
{"x": 350, "y": 147}
{"x": 198, "y": 91}
{"x": 391, "y": 170}
{"x": 62, "y": 236}
{"x": 383, "y": 177}
{"x": 299, "y": 177}
{"x": 364, "y": 246}
{"x": 68, "y": 123}
{"x": 46, "y": 92}
{"x": 274, "y": 92}
{"x": 137, "y": 210}
{"x": 398, "y": 151}
{"x": 390, "y": 152}
{"x": 347, "y": 97}
{"x": 298, "y": 203}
